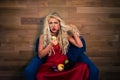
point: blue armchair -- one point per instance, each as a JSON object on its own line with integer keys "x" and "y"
{"x": 74, "y": 54}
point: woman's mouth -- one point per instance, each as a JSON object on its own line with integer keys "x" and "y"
{"x": 53, "y": 29}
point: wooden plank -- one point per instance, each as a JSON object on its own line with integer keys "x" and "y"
{"x": 93, "y": 3}
{"x": 98, "y": 10}
{"x": 102, "y": 53}
{"x": 60, "y": 3}
{"x": 114, "y": 15}
{"x": 11, "y": 75}
{"x": 31, "y": 21}
{"x": 18, "y": 12}
{"x": 109, "y": 68}
{"x": 108, "y": 75}
{"x": 13, "y": 3}
{"x": 37, "y": 3}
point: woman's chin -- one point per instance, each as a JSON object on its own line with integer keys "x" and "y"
{"x": 54, "y": 32}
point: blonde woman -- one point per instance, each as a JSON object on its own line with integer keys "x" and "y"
{"x": 54, "y": 43}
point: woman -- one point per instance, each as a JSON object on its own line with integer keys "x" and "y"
{"x": 54, "y": 43}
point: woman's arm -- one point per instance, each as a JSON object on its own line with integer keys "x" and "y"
{"x": 43, "y": 51}
{"x": 73, "y": 36}
{"x": 75, "y": 40}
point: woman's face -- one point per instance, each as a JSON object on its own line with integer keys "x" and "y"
{"x": 54, "y": 25}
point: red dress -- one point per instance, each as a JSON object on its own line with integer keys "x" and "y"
{"x": 80, "y": 71}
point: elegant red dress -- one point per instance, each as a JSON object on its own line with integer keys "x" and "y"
{"x": 79, "y": 71}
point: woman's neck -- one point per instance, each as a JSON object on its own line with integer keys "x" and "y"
{"x": 55, "y": 34}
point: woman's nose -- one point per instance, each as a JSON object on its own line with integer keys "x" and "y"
{"x": 53, "y": 25}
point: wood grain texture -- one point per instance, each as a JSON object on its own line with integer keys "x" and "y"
{"x": 21, "y": 22}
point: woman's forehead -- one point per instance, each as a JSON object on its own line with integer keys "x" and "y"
{"x": 53, "y": 19}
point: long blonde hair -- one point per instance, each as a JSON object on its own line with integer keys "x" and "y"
{"x": 62, "y": 38}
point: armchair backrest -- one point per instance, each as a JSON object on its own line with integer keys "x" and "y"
{"x": 74, "y": 52}
{"x": 84, "y": 43}
{"x": 36, "y": 45}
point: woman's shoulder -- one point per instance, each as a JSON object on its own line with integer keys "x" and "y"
{"x": 41, "y": 36}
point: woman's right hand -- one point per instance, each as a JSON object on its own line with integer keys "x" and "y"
{"x": 54, "y": 41}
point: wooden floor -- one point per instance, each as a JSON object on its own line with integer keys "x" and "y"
{"x": 21, "y": 23}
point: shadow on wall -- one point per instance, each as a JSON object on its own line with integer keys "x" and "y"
{"x": 39, "y": 32}
{"x": 18, "y": 74}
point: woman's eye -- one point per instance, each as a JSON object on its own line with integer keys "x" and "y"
{"x": 53, "y": 22}
{"x": 50, "y": 22}
{"x": 56, "y": 22}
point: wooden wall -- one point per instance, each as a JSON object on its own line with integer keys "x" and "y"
{"x": 21, "y": 23}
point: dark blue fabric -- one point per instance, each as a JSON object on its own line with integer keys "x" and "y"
{"x": 36, "y": 45}
{"x": 77, "y": 55}
{"x": 94, "y": 71}
{"x": 74, "y": 54}
{"x": 32, "y": 67}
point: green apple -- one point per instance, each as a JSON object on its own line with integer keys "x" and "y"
{"x": 53, "y": 38}
{"x": 66, "y": 61}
